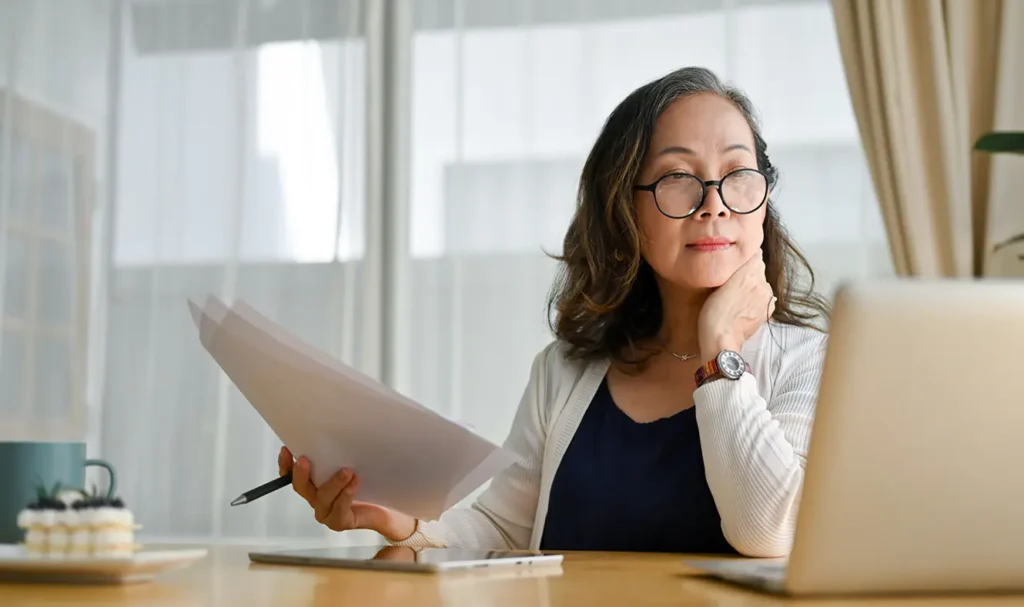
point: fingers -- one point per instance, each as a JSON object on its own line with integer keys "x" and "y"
{"x": 759, "y": 261}
{"x": 332, "y": 501}
{"x": 752, "y": 269}
{"x": 328, "y": 492}
{"x": 300, "y": 480}
{"x": 284, "y": 461}
{"x": 339, "y": 517}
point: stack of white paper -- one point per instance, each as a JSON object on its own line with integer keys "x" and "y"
{"x": 410, "y": 458}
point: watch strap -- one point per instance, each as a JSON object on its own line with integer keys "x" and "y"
{"x": 710, "y": 369}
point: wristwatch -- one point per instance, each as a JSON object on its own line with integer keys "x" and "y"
{"x": 727, "y": 364}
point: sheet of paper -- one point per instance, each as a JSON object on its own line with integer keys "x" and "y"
{"x": 266, "y": 334}
{"x": 409, "y": 457}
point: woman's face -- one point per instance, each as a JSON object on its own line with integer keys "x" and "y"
{"x": 707, "y": 136}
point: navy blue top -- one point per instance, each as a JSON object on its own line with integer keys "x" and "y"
{"x": 627, "y": 486}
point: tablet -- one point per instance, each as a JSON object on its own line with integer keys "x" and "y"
{"x": 403, "y": 558}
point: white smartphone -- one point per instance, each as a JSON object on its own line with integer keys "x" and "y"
{"x": 402, "y": 558}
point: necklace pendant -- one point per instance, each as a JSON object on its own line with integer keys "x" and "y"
{"x": 684, "y": 356}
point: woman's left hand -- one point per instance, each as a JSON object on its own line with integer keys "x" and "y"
{"x": 736, "y": 310}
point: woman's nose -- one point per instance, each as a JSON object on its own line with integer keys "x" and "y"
{"x": 713, "y": 204}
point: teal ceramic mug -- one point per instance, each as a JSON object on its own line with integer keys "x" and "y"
{"x": 27, "y": 465}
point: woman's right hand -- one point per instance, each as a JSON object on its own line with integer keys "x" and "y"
{"x": 334, "y": 502}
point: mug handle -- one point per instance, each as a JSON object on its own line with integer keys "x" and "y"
{"x": 112, "y": 489}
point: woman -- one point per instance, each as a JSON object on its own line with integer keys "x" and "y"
{"x": 673, "y": 411}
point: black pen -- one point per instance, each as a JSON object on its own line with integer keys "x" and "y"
{"x": 255, "y": 494}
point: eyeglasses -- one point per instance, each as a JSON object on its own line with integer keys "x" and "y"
{"x": 679, "y": 195}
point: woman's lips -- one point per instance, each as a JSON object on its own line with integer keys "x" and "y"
{"x": 709, "y": 245}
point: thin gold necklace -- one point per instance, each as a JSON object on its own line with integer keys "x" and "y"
{"x": 684, "y": 356}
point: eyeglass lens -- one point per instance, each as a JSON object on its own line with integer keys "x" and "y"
{"x": 679, "y": 194}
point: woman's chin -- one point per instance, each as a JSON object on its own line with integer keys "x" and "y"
{"x": 699, "y": 274}
{"x": 704, "y": 280}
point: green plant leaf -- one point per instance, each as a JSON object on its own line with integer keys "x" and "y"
{"x": 1010, "y": 142}
{"x": 1009, "y": 241}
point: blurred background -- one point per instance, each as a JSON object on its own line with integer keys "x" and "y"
{"x": 382, "y": 177}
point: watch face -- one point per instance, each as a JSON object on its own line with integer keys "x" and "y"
{"x": 731, "y": 364}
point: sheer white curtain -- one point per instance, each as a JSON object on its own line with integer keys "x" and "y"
{"x": 382, "y": 177}
{"x": 228, "y": 157}
{"x": 240, "y": 171}
{"x": 54, "y": 130}
{"x": 52, "y": 126}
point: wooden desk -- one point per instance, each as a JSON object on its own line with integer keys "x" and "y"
{"x": 226, "y": 577}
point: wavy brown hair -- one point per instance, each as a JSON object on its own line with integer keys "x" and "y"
{"x": 605, "y": 298}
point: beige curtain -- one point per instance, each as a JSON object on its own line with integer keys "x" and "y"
{"x": 927, "y": 78}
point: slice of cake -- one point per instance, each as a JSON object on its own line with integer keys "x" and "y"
{"x": 87, "y": 526}
{"x": 112, "y": 527}
{"x": 43, "y": 522}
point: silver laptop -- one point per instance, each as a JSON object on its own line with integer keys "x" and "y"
{"x": 915, "y": 475}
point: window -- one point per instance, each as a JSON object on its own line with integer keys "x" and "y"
{"x": 505, "y": 109}
{"x": 46, "y": 190}
{"x": 241, "y": 168}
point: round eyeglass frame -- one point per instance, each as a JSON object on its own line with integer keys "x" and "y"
{"x": 651, "y": 187}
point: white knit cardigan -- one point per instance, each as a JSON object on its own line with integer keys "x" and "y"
{"x": 754, "y": 434}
